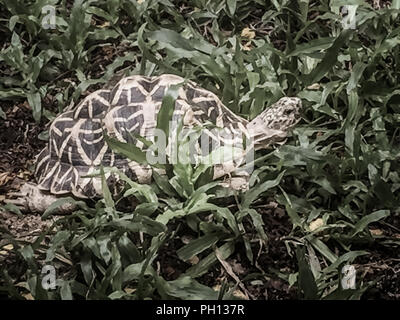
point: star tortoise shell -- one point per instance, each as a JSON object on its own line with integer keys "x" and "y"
{"x": 77, "y": 148}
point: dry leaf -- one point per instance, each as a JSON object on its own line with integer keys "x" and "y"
{"x": 247, "y": 46}
{"x": 317, "y": 223}
{"x": 23, "y": 174}
{"x": 239, "y": 294}
{"x": 6, "y": 250}
{"x": 4, "y": 178}
{"x": 237, "y": 267}
{"x": 129, "y": 290}
{"x": 9, "y": 247}
{"x": 28, "y": 296}
{"x": 106, "y": 24}
{"x": 314, "y": 86}
{"x": 248, "y": 33}
{"x": 140, "y": 1}
{"x": 376, "y": 232}
{"x": 217, "y": 287}
{"x": 194, "y": 260}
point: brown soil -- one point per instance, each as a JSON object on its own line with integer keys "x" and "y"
{"x": 19, "y": 144}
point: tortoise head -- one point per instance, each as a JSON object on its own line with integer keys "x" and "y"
{"x": 272, "y": 125}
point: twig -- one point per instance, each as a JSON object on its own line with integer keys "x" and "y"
{"x": 230, "y": 271}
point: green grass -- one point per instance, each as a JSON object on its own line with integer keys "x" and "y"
{"x": 341, "y": 164}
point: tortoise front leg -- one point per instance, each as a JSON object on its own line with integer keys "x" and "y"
{"x": 31, "y": 199}
{"x": 234, "y": 177}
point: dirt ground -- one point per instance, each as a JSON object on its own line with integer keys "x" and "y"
{"x": 19, "y": 144}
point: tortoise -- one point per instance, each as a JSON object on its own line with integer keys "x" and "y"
{"x": 77, "y": 145}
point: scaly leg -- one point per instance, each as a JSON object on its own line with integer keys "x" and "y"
{"x": 31, "y": 199}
